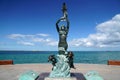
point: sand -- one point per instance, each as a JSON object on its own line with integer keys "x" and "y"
{"x": 12, "y": 72}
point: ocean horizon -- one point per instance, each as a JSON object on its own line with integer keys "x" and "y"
{"x": 89, "y": 57}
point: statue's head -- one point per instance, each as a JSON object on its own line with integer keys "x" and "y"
{"x": 63, "y": 27}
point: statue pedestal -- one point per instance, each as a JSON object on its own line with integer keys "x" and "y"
{"x": 71, "y": 78}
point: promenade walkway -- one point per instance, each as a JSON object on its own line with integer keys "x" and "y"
{"x": 12, "y": 72}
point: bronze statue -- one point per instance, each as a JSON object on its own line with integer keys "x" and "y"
{"x": 63, "y": 31}
{"x": 61, "y": 67}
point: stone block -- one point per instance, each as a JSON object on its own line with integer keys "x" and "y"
{"x": 29, "y": 75}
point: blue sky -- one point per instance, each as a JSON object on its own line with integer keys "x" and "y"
{"x": 30, "y": 24}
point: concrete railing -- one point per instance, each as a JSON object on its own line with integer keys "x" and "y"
{"x": 113, "y": 62}
{"x": 6, "y": 62}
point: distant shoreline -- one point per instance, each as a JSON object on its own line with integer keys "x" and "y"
{"x": 53, "y": 51}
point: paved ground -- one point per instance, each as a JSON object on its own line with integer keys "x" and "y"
{"x": 12, "y": 72}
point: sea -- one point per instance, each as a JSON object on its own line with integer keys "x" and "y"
{"x": 89, "y": 57}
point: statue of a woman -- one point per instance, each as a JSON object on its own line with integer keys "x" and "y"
{"x": 63, "y": 31}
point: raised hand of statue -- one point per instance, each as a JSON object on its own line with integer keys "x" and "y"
{"x": 63, "y": 19}
{"x": 65, "y": 14}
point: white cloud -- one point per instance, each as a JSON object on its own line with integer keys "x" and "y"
{"x": 31, "y": 40}
{"x": 15, "y": 36}
{"x": 20, "y": 36}
{"x": 46, "y": 41}
{"x": 38, "y": 39}
{"x": 26, "y": 43}
{"x": 53, "y": 43}
{"x": 107, "y": 35}
{"x": 43, "y": 35}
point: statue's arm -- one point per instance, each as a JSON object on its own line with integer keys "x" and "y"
{"x": 57, "y": 27}
{"x": 68, "y": 24}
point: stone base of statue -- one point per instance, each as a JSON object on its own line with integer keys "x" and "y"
{"x": 61, "y": 69}
{"x": 71, "y": 78}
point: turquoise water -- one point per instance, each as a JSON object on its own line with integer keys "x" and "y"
{"x": 93, "y": 57}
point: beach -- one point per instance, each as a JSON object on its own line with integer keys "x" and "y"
{"x": 12, "y": 72}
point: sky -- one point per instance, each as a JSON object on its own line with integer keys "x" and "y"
{"x": 30, "y": 25}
